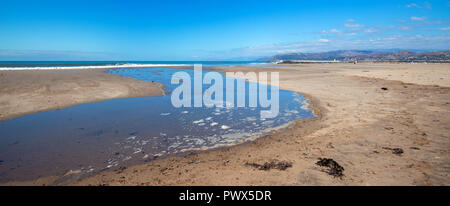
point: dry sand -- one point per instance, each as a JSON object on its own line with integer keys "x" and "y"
{"x": 357, "y": 122}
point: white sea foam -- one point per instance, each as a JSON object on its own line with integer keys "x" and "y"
{"x": 198, "y": 121}
{"x": 131, "y": 138}
{"x": 251, "y": 118}
{"x": 225, "y": 127}
{"x": 91, "y": 67}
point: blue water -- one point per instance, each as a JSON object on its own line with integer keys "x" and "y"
{"x": 106, "y": 63}
{"x": 100, "y": 136}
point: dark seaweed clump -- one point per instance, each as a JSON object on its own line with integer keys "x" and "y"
{"x": 274, "y": 164}
{"x": 334, "y": 168}
{"x": 397, "y": 151}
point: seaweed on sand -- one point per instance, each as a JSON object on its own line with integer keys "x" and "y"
{"x": 397, "y": 151}
{"x": 335, "y": 169}
{"x": 274, "y": 164}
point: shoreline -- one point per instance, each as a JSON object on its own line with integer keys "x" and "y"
{"x": 352, "y": 116}
{"x": 91, "y": 67}
{"x": 247, "y": 140}
{"x": 25, "y": 92}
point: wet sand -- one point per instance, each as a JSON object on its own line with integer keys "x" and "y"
{"x": 364, "y": 111}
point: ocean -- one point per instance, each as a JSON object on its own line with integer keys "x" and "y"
{"x": 9, "y": 65}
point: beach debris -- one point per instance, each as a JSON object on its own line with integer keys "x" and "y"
{"x": 335, "y": 169}
{"x": 213, "y": 124}
{"x": 164, "y": 114}
{"x": 274, "y": 164}
{"x": 397, "y": 151}
{"x": 414, "y": 148}
{"x": 384, "y": 88}
{"x": 184, "y": 112}
{"x": 225, "y": 127}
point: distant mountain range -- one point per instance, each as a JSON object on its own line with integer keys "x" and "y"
{"x": 364, "y": 55}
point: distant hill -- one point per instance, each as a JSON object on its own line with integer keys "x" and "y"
{"x": 364, "y": 55}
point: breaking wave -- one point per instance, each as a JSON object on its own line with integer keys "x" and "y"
{"x": 111, "y": 66}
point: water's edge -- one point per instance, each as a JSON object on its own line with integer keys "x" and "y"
{"x": 64, "y": 179}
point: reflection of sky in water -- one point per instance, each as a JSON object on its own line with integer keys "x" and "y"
{"x": 95, "y": 136}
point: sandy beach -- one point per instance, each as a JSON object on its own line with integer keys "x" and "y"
{"x": 367, "y": 113}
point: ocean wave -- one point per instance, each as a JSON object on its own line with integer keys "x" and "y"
{"x": 91, "y": 67}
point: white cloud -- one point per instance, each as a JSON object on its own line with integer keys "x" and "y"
{"x": 334, "y": 31}
{"x": 426, "y": 5}
{"x": 404, "y": 28}
{"x": 355, "y": 36}
{"x": 353, "y": 25}
{"x": 413, "y": 5}
{"x": 339, "y": 33}
{"x": 415, "y": 18}
{"x": 434, "y": 22}
{"x": 434, "y": 42}
{"x": 370, "y": 30}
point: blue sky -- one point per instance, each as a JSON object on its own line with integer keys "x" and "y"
{"x": 215, "y": 30}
